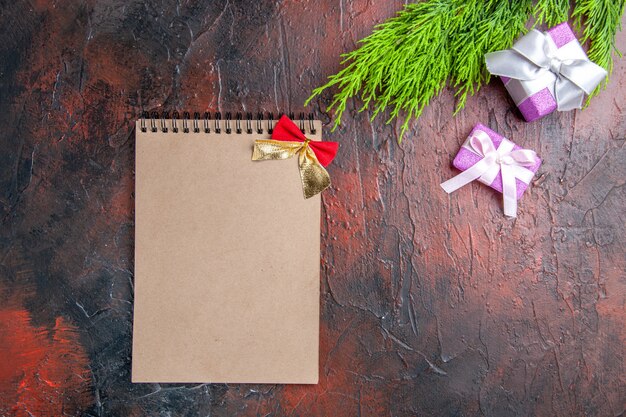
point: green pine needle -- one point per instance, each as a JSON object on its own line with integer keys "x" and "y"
{"x": 602, "y": 20}
{"x": 551, "y": 12}
{"x": 402, "y": 65}
{"x": 492, "y": 26}
{"x": 411, "y": 57}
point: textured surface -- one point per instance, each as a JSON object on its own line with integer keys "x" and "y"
{"x": 431, "y": 304}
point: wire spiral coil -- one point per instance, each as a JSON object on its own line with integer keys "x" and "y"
{"x": 213, "y": 122}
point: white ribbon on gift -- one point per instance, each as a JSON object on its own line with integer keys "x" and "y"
{"x": 537, "y": 62}
{"x": 510, "y": 163}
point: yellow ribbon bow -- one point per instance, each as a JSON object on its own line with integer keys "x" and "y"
{"x": 314, "y": 176}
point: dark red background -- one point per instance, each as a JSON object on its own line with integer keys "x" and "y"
{"x": 431, "y": 304}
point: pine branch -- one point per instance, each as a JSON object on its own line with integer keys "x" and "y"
{"x": 490, "y": 27}
{"x": 602, "y": 20}
{"x": 551, "y": 12}
{"x": 402, "y": 64}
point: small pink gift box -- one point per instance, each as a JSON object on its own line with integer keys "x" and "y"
{"x": 486, "y": 156}
{"x": 542, "y": 66}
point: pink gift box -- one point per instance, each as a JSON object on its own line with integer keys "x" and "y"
{"x": 541, "y": 103}
{"x": 466, "y": 158}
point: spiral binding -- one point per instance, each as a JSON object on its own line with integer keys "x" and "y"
{"x": 213, "y": 122}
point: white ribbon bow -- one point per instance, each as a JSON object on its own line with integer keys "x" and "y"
{"x": 504, "y": 160}
{"x": 535, "y": 54}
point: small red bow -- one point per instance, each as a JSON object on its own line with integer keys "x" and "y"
{"x": 286, "y": 130}
{"x": 288, "y": 141}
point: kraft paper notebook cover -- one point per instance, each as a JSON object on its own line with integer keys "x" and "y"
{"x": 226, "y": 257}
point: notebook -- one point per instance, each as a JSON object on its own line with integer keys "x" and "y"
{"x": 227, "y": 255}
